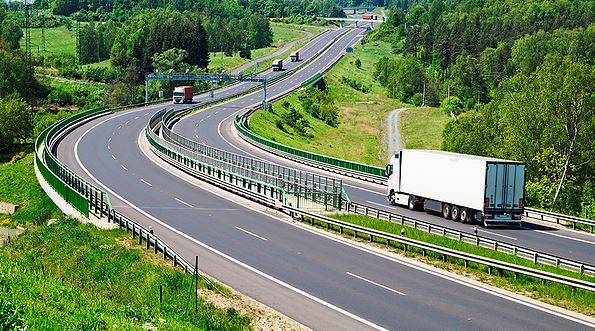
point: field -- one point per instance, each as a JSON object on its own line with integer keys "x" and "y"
{"x": 361, "y": 133}
{"x": 421, "y": 128}
{"x": 58, "y": 41}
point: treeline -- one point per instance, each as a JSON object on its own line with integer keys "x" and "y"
{"x": 96, "y": 41}
{"x": 121, "y": 10}
{"x": 517, "y": 78}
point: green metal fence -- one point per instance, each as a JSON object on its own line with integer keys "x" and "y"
{"x": 360, "y": 167}
{"x": 68, "y": 193}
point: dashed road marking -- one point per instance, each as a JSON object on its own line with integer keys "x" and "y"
{"x": 144, "y": 181}
{"x": 123, "y": 167}
{"x": 113, "y": 157}
{"x": 252, "y": 234}
{"x": 184, "y": 203}
{"x": 374, "y": 283}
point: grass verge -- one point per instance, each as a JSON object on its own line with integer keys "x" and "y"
{"x": 73, "y": 276}
{"x": 68, "y": 275}
{"x": 421, "y": 128}
{"x": 18, "y": 185}
{"x": 360, "y": 135}
{"x": 560, "y": 295}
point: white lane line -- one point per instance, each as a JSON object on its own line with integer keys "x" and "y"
{"x": 123, "y": 167}
{"x": 196, "y": 136}
{"x": 108, "y": 147}
{"x": 202, "y": 120}
{"x": 113, "y": 133}
{"x": 109, "y": 140}
{"x": 208, "y": 116}
{"x": 113, "y": 157}
{"x": 374, "y": 283}
{"x": 196, "y": 124}
{"x": 228, "y": 257}
{"x": 496, "y": 234}
{"x": 127, "y": 122}
{"x": 144, "y": 181}
{"x": 119, "y": 127}
{"x": 136, "y": 118}
{"x": 380, "y": 204}
{"x": 184, "y": 203}
{"x": 217, "y": 112}
{"x": 252, "y": 234}
{"x": 562, "y": 236}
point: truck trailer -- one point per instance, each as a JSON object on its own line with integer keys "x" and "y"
{"x": 295, "y": 56}
{"x": 183, "y": 94}
{"x": 460, "y": 187}
{"x": 277, "y": 65}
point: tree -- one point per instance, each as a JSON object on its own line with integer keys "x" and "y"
{"x": 452, "y": 106}
{"x": 554, "y": 106}
{"x": 17, "y": 76}
{"x": 12, "y": 33}
{"x": 16, "y": 122}
{"x": 174, "y": 59}
{"x": 358, "y": 63}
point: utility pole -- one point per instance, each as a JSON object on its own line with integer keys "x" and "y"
{"x": 423, "y": 99}
{"x": 43, "y": 30}
{"x": 27, "y": 8}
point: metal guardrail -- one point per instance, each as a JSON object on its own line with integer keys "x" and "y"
{"x": 307, "y": 184}
{"x": 548, "y": 216}
{"x": 69, "y": 186}
{"x": 379, "y": 236}
{"x": 474, "y": 239}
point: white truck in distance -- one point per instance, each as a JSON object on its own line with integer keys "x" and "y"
{"x": 461, "y": 187}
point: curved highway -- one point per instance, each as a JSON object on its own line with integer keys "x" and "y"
{"x": 313, "y": 277}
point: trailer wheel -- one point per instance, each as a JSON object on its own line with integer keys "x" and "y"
{"x": 411, "y": 203}
{"x": 446, "y": 210}
{"x": 466, "y": 216}
{"x": 455, "y": 213}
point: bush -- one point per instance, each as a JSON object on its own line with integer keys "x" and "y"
{"x": 246, "y": 54}
{"x": 100, "y": 74}
{"x": 279, "y": 125}
{"x": 416, "y": 99}
{"x": 355, "y": 84}
{"x": 10, "y": 317}
{"x": 329, "y": 113}
{"x": 358, "y": 63}
{"x": 452, "y": 105}
{"x": 292, "y": 116}
{"x": 301, "y": 126}
{"x": 285, "y": 104}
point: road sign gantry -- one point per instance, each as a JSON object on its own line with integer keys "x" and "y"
{"x": 189, "y": 76}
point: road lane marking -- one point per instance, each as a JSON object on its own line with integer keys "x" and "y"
{"x": 108, "y": 147}
{"x": 136, "y": 118}
{"x": 212, "y": 249}
{"x": 123, "y": 167}
{"x": 252, "y": 234}
{"x": 113, "y": 133}
{"x": 119, "y": 127}
{"x": 374, "y": 283}
{"x": 144, "y": 181}
{"x": 561, "y": 236}
{"x": 127, "y": 122}
{"x": 495, "y": 234}
{"x": 109, "y": 140}
{"x": 196, "y": 124}
{"x": 184, "y": 203}
{"x": 113, "y": 157}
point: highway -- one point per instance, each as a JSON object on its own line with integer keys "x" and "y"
{"x": 314, "y": 278}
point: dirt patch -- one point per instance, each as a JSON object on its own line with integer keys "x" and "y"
{"x": 263, "y": 317}
{"x": 7, "y": 234}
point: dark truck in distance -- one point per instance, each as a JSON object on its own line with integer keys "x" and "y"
{"x": 460, "y": 187}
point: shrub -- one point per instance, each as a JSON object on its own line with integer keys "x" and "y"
{"x": 355, "y": 84}
{"x": 358, "y": 63}
{"x": 292, "y": 116}
{"x": 10, "y": 317}
{"x": 279, "y": 125}
{"x": 329, "y": 113}
{"x": 246, "y": 54}
{"x": 452, "y": 105}
{"x": 301, "y": 125}
{"x": 417, "y": 99}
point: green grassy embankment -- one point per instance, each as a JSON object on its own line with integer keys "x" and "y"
{"x": 421, "y": 128}
{"x": 362, "y": 119}
{"x": 70, "y": 276}
{"x": 552, "y": 293}
{"x": 281, "y": 36}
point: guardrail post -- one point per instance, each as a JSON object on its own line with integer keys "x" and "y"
{"x": 133, "y": 230}
{"x": 175, "y": 260}
{"x": 148, "y": 241}
{"x": 156, "y": 247}
{"x": 535, "y": 257}
{"x": 582, "y": 268}
{"x": 140, "y": 236}
{"x": 164, "y": 252}
{"x": 101, "y": 202}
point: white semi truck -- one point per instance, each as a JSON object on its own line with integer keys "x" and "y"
{"x": 460, "y": 187}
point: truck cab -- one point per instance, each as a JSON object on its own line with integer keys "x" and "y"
{"x": 277, "y": 65}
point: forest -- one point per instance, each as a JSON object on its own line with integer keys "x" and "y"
{"x": 517, "y": 78}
